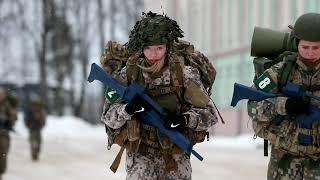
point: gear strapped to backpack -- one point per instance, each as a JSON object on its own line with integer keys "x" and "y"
{"x": 262, "y": 63}
{"x": 115, "y": 57}
{"x": 268, "y": 48}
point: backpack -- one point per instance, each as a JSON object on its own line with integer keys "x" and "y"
{"x": 197, "y": 60}
{"x": 115, "y": 56}
{"x": 263, "y": 63}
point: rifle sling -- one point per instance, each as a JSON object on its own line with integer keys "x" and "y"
{"x": 115, "y": 164}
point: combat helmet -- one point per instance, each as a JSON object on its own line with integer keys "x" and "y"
{"x": 307, "y": 27}
{"x": 153, "y": 29}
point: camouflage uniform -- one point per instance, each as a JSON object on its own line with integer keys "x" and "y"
{"x": 139, "y": 165}
{"x": 151, "y": 167}
{"x": 287, "y": 159}
{"x": 8, "y": 116}
{"x": 291, "y": 156}
{"x": 175, "y": 86}
{"x": 34, "y": 119}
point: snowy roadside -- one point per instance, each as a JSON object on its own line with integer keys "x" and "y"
{"x": 72, "y": 150}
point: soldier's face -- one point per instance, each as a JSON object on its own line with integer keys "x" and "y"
{"x": 309, "y": 50}
{"x": 155, "y": 53}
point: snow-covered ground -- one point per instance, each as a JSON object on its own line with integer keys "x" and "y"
{"x": 74, "y": 150}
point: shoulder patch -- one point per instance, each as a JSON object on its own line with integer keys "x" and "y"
{"x": 111, "y": 95}
{"x": 265, "y": 82}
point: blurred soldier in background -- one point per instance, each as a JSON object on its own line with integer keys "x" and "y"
{"x": 8, "y": 117}
{"x": 34, "y": 119}
{"x": 295, "y": 149}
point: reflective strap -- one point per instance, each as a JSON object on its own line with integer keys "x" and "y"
{"x": 150, "y": 143}
{"x": 302, "y": 148}
{"x": 162, "y": 90}
{"x": 148, "y": 127}
{"x": 145, "y": 150}
{"x": 308, "y": 149}
{"x": 308, "y": 132}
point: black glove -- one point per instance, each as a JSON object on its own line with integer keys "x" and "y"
{"x": 175, "y": 121}
{"x": 297, "y": 106}
{"x": 136, "y": 105}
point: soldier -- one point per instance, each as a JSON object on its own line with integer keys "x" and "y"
{"x": 175, "y": 86}
{"x": 34, "y": 119}
{"x": 8, "y": 116}
{"x": 292, "y": 156}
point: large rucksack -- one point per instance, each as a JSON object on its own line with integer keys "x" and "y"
{"x": 263, "y": 63}
{"x": 269, "y": 47}
{"x": 115, "y": 56}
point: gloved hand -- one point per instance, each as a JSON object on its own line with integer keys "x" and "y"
{"x": 297, "y": 106}
{"x": 136, "y": 105}
{"x": 175, "y": 121}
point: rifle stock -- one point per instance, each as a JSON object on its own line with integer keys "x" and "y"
{"x": 290, "y": 90}
{"x": 244, "y": 92}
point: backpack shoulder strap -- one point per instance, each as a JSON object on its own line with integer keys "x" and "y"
{"x": 132, "y": 68}
{"x": 289, "y": 64}
{"x": 177, "y": 76}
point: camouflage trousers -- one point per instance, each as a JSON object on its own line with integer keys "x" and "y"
{"x": 284, "y": 166}
{"x": 35, "y": 143}
{"x": 140, "y": 167}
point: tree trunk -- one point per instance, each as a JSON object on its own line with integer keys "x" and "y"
{"x": 79, "y": 106}
{"x": 42, "y": 54}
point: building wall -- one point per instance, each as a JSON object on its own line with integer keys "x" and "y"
{"x": 222, "y": 29}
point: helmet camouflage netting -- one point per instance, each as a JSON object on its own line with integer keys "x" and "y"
{"x": 153, "y": 29}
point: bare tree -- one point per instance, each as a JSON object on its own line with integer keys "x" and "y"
{"x": 82, "y": 43}
{"x": 61, "y": 37}
{"x": 129, "y": 11}
{"x": 101, "y": 23}
{"x": 10, "y": 13}
{"x": 41, "y": 49}
{"x": 60, "y": 59}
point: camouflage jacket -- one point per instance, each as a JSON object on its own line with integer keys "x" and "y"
{"x": 115, "y": 116}
{"x": 283, "y": 135}
{"x": 35, "y": 116}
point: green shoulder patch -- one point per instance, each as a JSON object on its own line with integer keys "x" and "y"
{"x": 265, "y": 82}
{"x": 111, "y": 95}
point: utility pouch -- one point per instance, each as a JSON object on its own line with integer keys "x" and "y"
{"x": 133, "y": 130}
{"x": 164, "y": 140}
